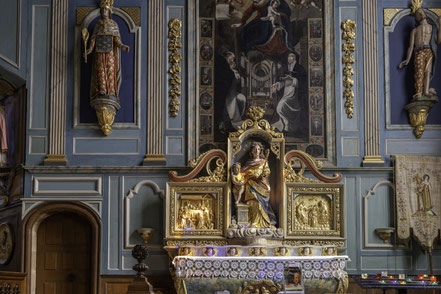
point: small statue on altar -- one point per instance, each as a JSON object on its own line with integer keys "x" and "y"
{"x": 106, "y": 67}
{"x": 423, "y": 42}
{"x": 238, "y": 182}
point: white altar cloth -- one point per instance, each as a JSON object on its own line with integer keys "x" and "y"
{"x": 266, "y": 267}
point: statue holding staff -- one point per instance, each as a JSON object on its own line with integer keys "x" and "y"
{"x": 106, "y": 43}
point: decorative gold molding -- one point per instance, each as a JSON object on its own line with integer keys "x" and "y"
{"x": 373, "y": 159}
{"x": 314, "y": 243}
{"x": 418, "y": 113}
{"x": 82, "y": 12}
{"x": 348, "y": 27}
{"x": 437, "y": 11}
{"x": 155, "y": 158}
{"x": 55, "y": 159}
{"x": 133, "y": 12}
{"x": 105, "y": 119}
{"x": 175, "y": 58}
{"x": 388, "y": 14}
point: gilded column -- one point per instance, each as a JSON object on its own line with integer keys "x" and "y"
{"x": 57, "y": 135}
{"x": 372, "y": 154}
{"x": 155, "y": 85}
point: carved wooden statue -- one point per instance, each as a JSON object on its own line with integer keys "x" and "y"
{"x": 106, "y": 68}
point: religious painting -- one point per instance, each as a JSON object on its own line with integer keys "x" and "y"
{"x": 266, "y": 53}
{"x": 315, "y": 210}
{"x": 195, "y": 209}
{"x": 418, "y": 190}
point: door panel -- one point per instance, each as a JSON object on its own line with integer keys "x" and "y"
{"x": 64, "y": 255}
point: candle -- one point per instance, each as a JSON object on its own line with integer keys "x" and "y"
{"x": 420, "y": 277}
{"x": 364, "y": 276}
{"x": 378, "y": 276}
{"x": 403, "y": 283}
{"x": 402, "y": 276}
{"x": 391, "y": 277}
{"x": 395, "y": 282}
{"x": 382, "y": 282}
{"x": 432, "y": 278}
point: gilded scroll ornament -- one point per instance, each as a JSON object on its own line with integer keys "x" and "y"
{"x": 204, "y": 160}
{"x": 305, "y": 160}
{"x": 256, "y": 113}
{"x": 348, "y": 27}
{"x": 175, "y": 58}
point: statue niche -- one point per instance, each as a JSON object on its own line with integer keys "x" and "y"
{"x": 106, "y": 78}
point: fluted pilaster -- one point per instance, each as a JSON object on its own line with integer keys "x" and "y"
{"x": 155, "y": 91}
{"x": 372, "y": 154}
{"x": 57, "y": 135}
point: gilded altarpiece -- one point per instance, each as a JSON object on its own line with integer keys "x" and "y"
{"x": 254, "y": 202}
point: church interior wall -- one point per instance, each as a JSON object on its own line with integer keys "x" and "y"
{"x": 109, "y": 174}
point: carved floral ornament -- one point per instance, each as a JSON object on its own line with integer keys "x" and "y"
{"x": 175, "y": 58}
{"x": 348, "y": 27}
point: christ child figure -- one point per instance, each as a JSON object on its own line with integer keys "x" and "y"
{"x": 273, "y": 15}
{"x": 238, "y": 182}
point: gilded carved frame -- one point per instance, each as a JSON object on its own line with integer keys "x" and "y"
{"x": 312, "y": 193}
{"x": 177, "y": 191}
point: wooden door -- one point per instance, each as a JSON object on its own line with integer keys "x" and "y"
{"x": 64, "y": 255}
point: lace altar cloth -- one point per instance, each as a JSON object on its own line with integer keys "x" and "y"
{"x": 268, "y": 267}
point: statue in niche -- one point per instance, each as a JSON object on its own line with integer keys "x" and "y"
{"x": 106, "y": 68}
{"x": 424, "y": 39}
{"x": 256, "y": 193}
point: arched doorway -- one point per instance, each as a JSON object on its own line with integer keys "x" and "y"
{"x": 63, "y": 254}
{"x": 62, "y": 242}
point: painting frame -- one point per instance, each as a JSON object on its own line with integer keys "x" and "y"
{"x": 312, "y": 194}
{"x": 175, "y": 193}
{"x": 327, "y": 93}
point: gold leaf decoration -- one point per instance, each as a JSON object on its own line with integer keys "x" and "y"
{"x": 348, "y": 27}
{"x": 174, "y": 33}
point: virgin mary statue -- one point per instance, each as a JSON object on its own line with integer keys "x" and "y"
{"x": 255, "y": 174}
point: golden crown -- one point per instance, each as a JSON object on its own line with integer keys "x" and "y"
{"x": 107, "y": 4}
{"x": 416, "y": 4}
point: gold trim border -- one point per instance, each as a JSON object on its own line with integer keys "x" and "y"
{"x": 174, "y": 33}
{"x": 389, "y": 14}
